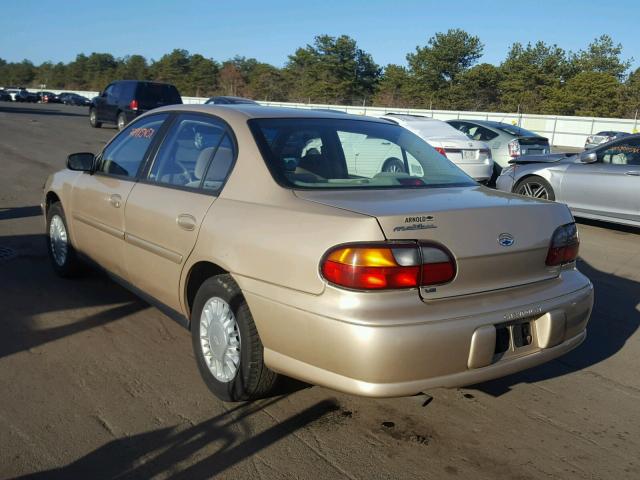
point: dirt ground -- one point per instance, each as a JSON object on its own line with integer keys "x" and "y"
{"x": 98, "y": 384}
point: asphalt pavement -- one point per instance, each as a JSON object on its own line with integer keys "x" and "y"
{"x": 98, "y": 384}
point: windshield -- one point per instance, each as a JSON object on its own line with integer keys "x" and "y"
{"x": 343, "y": 153}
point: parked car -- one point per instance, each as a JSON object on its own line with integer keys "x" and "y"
{"x": 13, "y": 92}
{"x": 124, "y": 100}
{"x": 279, "y": 258}
{"x": 48, "y": 97}
{"x": 226, "y": 100}
{"x": 24, "y": 96}
{"x": 5, "y": 96}
{"x": 603, "y": 137}
{"x": 602, "y": 183}
{"x": 505, "y": 140}
{"x": 472, "y": 156}
{"x": 75, "y": 99}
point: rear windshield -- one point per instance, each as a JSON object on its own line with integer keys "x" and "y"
{"x": 514, "y": 130}
{"x": 158, "y": 93}
{"x": 343, "y": 153}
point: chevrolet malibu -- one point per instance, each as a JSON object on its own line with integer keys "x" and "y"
{"x": 280, "y": 260}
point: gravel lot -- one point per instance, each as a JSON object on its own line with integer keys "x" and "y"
{"x": 98, "y": 384}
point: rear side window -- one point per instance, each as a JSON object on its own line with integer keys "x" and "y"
{"x": 196, "y": 153}
{"x": 481, "y": 133}
{"x": 124, "y": 155}
{"x": 157, "y": 94}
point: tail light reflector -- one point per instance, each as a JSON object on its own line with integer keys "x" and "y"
{"x": 441, "y": 151}
{"x": 564, "y": 245}
{"x": 133, "y": 105}
{"x": 387, "y": 266}
{"x": 514, "y": 148}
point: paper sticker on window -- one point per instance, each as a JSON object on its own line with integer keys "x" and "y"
{"x": 142, "y": 132}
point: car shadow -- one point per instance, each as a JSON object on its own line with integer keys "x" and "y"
{"x": 20, "y": 212}
{"x": 614, "y": 320}
{"x": 30, "y": 288}
{"x": 158, "y": 452}
{"x": 43, "y": 111}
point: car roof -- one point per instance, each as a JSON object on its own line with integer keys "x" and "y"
{"x": 249, "y": 111}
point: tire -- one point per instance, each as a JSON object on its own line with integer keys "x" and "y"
{"x": 251, "y": 379}
{"x": 393, "y": 165}
{"x": 93, "y": 118}
{"x": 121, "y": 121}
{"x": 64, "y": 264}
{"x": 536, "y": 187}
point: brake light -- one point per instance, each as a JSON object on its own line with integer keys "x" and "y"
{"x": 514, "y": 148}
{"x": 564, "y": 245}
{"x": 441, "y": 151}
{"x": 133, "y": 105}
{"x": 387, "y": 266}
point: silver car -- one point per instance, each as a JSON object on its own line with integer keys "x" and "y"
{"x": 602, "y": 183}
{"x": 506, "y": 141}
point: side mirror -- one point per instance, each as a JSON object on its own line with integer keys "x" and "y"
{"x": 81, "y": 162}
{"x": 588, "y": 157}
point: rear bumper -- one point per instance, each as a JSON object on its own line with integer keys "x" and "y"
{"x": 478, "y": 171}
{"x": 386, "y": 345}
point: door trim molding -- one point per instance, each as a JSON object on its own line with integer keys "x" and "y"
{"x": 153, "y": 248}
{"x": 99, "y": 225}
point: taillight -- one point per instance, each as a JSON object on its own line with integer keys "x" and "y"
{"x": 514, "y": 148}
{"x": 441, "y": 151}
{"x": 387, "y": 266}
{"x": 564, "y": 245}
{"x": 133, "y": 105}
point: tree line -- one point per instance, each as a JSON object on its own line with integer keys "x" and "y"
{"x": 444, "y": 74}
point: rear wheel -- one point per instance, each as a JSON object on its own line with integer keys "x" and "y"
{"x": 121, "y": 121}
{"x": 63, "y": 256}
{"x": 536, "y": 187}
{"x": 93, "y": 118}
{"x": 227, "y": 347}
{"x": 393, "y": 165}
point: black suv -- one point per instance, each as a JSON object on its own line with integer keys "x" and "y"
{"x": 124, "y": 100}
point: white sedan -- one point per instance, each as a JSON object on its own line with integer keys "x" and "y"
{"x": 472, "y": 156}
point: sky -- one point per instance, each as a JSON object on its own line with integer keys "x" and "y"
{"x": 273, "y": 29}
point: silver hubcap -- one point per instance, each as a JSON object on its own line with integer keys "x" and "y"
{"x": 92, "y": 116}
{"x": 58, "y": 240}
{"x": 533, "y": 189}
{"x": 393, "y": 167}
{"x": 120, "y": 123}
{"x": 220, "y": 339}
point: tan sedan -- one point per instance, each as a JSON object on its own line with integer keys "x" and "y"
{"x": 249, "y": 225}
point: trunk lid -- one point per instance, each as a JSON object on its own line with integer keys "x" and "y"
{"x": 534, "y": 146}
{"x": 468, "y": 221}
{"x": 462, "y": 151}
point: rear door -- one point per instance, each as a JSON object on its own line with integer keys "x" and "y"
{"x": 610, "y": 186}
{"x": 166, "y": 208}
{"x": 98, "y": 199}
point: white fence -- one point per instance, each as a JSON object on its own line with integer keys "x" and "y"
{"x": 561, "y": 131}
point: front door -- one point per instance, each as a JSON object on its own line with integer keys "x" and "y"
{"x": 166, "y": 208}
{"x": 610, "y": 186}
{"x": 98, "y": 199}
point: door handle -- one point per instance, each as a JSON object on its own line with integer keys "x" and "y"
{"x": 186, "y": 221}
{"x": 633, "y": 173}
{"x": 115, "y": 200}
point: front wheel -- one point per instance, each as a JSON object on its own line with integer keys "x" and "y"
{"x": 63, "y": 256}
{"x": 93, "y": 118}
{"x": 227, "y": 347}
{"x": 535, "y": 187}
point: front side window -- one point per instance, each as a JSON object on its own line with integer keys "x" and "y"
{"x": 124, "y": 155}
{"x": 337, "y": 153}
{"x": 622, "y": 153}
{"x": 196, "y": 153}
